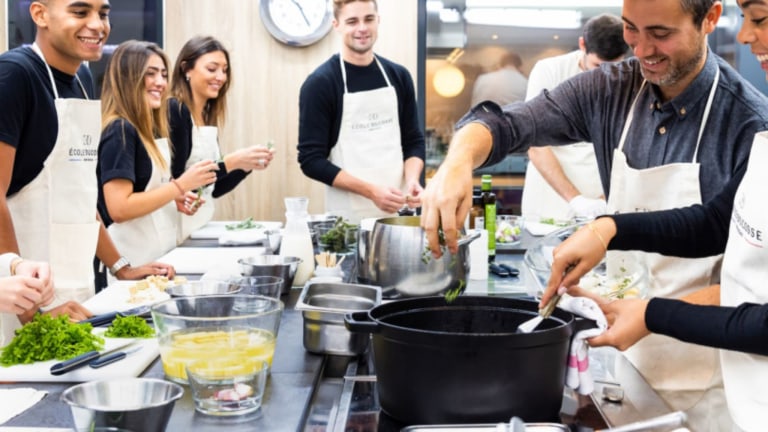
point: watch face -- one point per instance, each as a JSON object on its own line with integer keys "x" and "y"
{"x": 297, "y": 22}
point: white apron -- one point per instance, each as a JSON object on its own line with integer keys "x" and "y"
{"x": 368, "y": 148}
{"x": 680, "y": 372}
{"x": 54, "y": 216}
{"x": 205, "y": 146}
{"x": 579, "y": 165}
{"x": 146, "y": 238}
{"x": 743, "y": 280}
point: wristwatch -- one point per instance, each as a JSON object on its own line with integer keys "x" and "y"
{"x": 118, "y": 265}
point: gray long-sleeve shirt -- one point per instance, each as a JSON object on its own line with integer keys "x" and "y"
{"x": 593, "y": 107}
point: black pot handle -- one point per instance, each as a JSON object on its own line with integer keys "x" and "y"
{"x": 360, "y": 322}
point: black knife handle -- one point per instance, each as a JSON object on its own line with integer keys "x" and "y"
{"x": 107, "y": 359}
{"x": 100, "y": 320}
{"x": 74, "y": 363}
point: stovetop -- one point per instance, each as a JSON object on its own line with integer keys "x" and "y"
{"x": 358, "y": 409}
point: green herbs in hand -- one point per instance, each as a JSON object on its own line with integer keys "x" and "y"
{"x": 243, "y": 225}
{"x": 47, "y": 338}
{"x": 426, "y": 257}
{"x": 129, "y": 327}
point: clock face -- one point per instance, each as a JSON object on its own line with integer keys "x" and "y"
{"x": 297, "y": 22}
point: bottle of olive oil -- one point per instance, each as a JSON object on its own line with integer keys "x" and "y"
{"x": 476, "y": 213}
{"x": 488, "y": 199}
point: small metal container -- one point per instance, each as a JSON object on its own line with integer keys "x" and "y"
{"x": 323, "y": 307}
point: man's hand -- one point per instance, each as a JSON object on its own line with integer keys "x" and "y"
{"x": 42, "y": 272}
{"x": 75, "y": 310}
{"x": 21, "y": 294}
{"x": 387, "y": 199}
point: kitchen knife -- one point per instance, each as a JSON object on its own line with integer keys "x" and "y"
{"x": 107, "y": 318}
{"x": 111, "y": 358}
{"x": 83, "y": 359}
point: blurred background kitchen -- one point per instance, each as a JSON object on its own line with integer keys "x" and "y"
{"x": 446, "y": 45}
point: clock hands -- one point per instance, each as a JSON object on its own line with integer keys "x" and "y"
{"x": 298, "y": 5}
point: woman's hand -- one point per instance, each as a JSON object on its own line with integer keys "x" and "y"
{"x": 255, "y": 157}
{"x": 75, "y": 310}
{"x": 626, "y": 323}
{"x": 189, "y": 203}
{"x": 199, "y": 174}
{"x": 152, "y": 269}
{"x": 42, "y": 272}
{"x": 22, "y": 294}
{"x": 579, "y": 254}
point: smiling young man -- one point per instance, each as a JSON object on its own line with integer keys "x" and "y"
{"x": 49, "y": 133}
{"x": 358, "y": 123}
{"x": 656, "y": 123}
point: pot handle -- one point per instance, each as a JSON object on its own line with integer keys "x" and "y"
{"x": 469, "y": 238}
{"x": 360, "y": 322}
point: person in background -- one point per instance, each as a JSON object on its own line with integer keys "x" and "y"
{"x": 655, "y": 123}
{"x": 358, "y": 123}
{"x": 504, "y": 85}
{"x": 199, "y": 84}
{"x": 563, "y": 182}
{"x": 137, "y": 198}
{"x": 731, "y": 316}
{"x": 49, "y": 133}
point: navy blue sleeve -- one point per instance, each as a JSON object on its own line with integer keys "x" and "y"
{"x": 743, "y": 328}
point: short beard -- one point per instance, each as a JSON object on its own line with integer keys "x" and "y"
{"x": 676, "y": 73}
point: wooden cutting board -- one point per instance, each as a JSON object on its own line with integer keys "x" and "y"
{"x": 131, "y": 366}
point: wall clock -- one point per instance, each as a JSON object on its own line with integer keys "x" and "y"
{"x": 297, "y": 22}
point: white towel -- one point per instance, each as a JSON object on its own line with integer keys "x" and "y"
{"x": 577, "y": 374}
{"x": 15, "y": 401}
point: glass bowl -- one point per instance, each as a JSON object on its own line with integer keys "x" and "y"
{"x": 621, "y": 274}
{"x": 237, "y": 327}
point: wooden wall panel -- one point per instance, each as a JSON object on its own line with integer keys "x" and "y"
{"x": 267, "y": 76}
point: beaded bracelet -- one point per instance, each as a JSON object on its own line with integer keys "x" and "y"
{"x": 177, "y": 186}
{"x": 598, "y": 235}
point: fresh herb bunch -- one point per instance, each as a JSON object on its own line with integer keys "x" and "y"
{"x": 131, "y": 326}
{"x": 47, "y": 338}
{"x": 243, "y": 225}
{"x": 334, "y": 238}
{"x": 426, "y": 257}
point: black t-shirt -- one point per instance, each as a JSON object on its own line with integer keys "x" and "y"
{"x": 180, "y": 123}
{"x": 121, "y": 156}
{"x": 28, "y": 119}
{"x": 321, "y": 104}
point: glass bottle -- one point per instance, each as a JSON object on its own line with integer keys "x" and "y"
{"x": 297, "y": 241}
{"x": 476, "y": 213}
{"x": 488, "y": 199}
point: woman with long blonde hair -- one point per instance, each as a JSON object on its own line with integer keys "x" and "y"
{"x": 138, "y": 198}
{"x": 197, "y": 108}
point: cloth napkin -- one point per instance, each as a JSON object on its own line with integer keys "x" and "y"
{"x": 577, "y": 375}
{"x": 15, "y": 401}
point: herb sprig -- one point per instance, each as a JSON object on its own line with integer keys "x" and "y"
{"x": 131, "y": 326}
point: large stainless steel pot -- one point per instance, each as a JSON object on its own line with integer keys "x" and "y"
{"x": 393, "y": 257}
{"x": 464, "y": 362}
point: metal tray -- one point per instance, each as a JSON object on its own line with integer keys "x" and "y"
{"x": 501, "y": 427}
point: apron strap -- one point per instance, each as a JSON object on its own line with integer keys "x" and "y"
{"x": 707, "y": 108}
{"x": 39, "y": 52}
{"x": 630, "y": 116}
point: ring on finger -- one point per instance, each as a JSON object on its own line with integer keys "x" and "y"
{"x": 262, "y": 162}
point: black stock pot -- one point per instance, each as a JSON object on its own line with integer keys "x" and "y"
{"x": 464, "y": 362}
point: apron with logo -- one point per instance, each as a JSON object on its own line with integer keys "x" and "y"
{"x": 205, "y": 146}
{"x": 743, "y": 280}
{"x": 682, "y": 373}
{"x": 146, "y": 238}
{"x": 54, "y": 216}
{"x": 579, "y": 165}
{"x": 368, "y": 148}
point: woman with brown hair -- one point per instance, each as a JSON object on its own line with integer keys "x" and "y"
{"x": 137, "y": 197}
{"x": 197, "y": 108}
